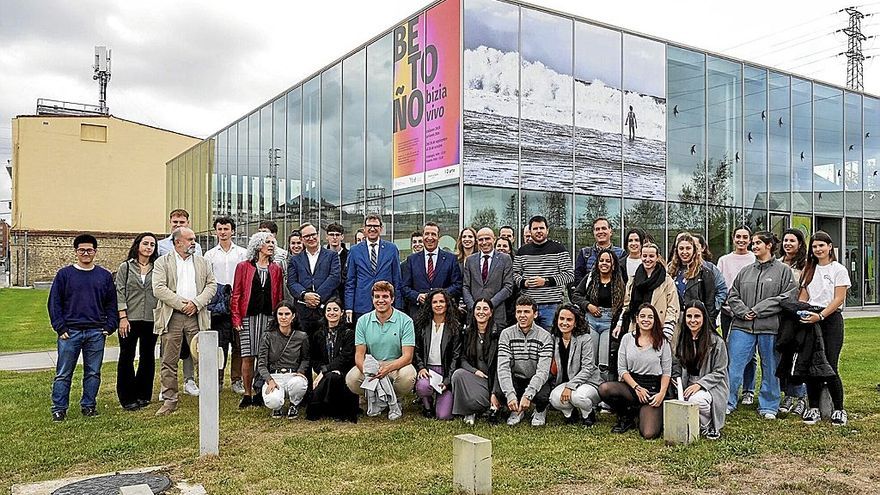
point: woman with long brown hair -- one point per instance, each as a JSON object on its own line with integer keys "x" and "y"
{"x": 465, "y": 245}
{"x": 473, "y": 383}
{"x": 600, "y": 297}
{"x": 693, "y": 280}
{"x": 437, "y": 351}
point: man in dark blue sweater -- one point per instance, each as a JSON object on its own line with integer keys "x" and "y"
{"x": 83, "y": 311}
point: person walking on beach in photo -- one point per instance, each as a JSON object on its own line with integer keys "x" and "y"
{"x": 631, "y": 123}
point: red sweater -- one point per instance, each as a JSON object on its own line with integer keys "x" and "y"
{"x": 241, "y": 288}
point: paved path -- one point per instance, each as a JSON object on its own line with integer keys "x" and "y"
{"x": 32, "y": 361}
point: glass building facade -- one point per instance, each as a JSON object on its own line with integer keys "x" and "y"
{"x": 549, "y": 114}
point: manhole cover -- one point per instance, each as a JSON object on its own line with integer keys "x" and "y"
{"x": 110, "y": 485}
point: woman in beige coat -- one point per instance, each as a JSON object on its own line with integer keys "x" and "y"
{"x": 651, "y": 284}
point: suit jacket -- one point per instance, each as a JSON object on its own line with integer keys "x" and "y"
{"x": 450, "y": 350}
{"x": 447, "y": 275}
{"x": 245, "y": 271}
{"x": 498, "y": 287}
{"x": 324, "y": 281}
{"x": 581, "y": 366}
{"x": 165, "y": 290}
{"x": 360, "y": 277}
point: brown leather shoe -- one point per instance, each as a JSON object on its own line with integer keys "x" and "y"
{"x": 167, "y": 408}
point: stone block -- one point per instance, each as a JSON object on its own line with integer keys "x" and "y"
{"x": 142, "y": 489}
{"x": 471, "y": 465}
{"x": 209, "y": 395}
{"x": 681, "y": 422}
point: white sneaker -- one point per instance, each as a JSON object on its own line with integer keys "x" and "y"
{"x": 161, "y": 396}
{"x": 515, "y": 418}
{"x": 190, "y": 388}
{"x": 539, "y": 418}
{"x": 469, "y": 419}
{"x": 394, "y": 412}
{"x": 748, "y": 398}
{"x": 768, "y": 415}
{"x": 838, "y": 418}
{"x": 238, "y": 387}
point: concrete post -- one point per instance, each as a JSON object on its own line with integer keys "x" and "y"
{"x": 142, "y": 489}
{"x": 209, "y": 394}
{"x": 471, "y": 465}
{"x": 681, "y": 422}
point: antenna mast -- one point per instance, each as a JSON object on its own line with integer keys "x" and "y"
{"x": 102, "y": 75}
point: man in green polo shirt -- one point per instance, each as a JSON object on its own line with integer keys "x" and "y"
{"x": 388, "y": 335}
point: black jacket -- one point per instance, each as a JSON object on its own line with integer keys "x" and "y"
{"x": 343, "y": 358}
{"x": 450, "y": 351}
{"x": 469, "y": 363}
{"x": 343, "y": 265}
{"x": 801, "y": 347}
{"x": 700, "y": 288}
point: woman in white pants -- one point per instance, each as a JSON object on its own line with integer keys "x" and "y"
{"x": 700, "y": 362}
{"x": 283, "y": 362}
{"x": 577, "y": 376}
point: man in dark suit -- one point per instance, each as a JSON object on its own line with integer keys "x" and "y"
{"x": 312, "y": 277}
{"x": 335, "y": 234}
{"x": 430, "y": 269}
{"x": 369, "y": 262}
{"x": 489, "y": 274}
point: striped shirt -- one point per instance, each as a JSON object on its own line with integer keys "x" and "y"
{"x": 524, "y": 355}
{"x": 549, "y": 260}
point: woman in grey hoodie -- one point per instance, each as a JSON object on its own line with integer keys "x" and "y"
{"x": 754, "y": 301}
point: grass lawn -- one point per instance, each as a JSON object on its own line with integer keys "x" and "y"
{"x": 414, "y": 455}
{"x": 24, "y": 321}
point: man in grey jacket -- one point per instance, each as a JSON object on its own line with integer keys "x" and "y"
{"x": 525, "y": 352}
{"x": 755, "y": 302}
{"x": 489, "y": 274}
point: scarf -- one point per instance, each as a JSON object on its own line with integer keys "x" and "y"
{"x": 643, "y": 289}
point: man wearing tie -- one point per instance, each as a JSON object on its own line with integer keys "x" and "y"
{"x": 312, "y": 277}
{"x": 369, "y": 262}
{"x": 489, "y": 274}
{"x": 427, "y": 270}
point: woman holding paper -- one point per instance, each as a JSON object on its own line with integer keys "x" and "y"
{"x": 437, "y": 354}
{"x": 700, "y": 363}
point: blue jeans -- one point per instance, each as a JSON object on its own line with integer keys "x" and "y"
{"x": 600, "y": 327}
{"x": 91, "y": 343}
{"x": 741, "y": 348}
{"x": 546, "y": 312}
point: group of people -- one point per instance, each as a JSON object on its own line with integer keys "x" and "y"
{"x": 485, "y": 331}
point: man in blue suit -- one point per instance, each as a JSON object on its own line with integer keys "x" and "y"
{"x": 369, "y": 262}
{"x": 313, "y": 278}
{"x": 430, "y": 269}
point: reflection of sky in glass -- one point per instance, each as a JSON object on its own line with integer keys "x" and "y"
{"x": 644, "y": 66}
{"x": 547, "y": 38}
{"x": 490, "y": 23}
{"x": 596, "y": 54}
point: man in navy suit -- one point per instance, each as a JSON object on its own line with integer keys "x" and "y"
{"x": 312, "y": 277}
{"x": 430, "y": 269}
{"x": 489, "y": 274}
{"x": 369, "y": 262}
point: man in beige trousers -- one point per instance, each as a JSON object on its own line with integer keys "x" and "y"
{"x": 184, "y": 285}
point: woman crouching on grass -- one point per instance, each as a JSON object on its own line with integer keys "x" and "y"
{"x": 283, "y": 363}
{"x": 577, "y": 376}
{"x": 700, "y": 362}
{"x": 644, "y": 364}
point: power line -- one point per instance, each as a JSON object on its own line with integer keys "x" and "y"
{"x": 776, "y": 33}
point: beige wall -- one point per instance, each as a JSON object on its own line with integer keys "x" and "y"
{"x": 64, "y": 183}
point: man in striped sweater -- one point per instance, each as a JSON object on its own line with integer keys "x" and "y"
{"x": 525, "y": 352}
{"x": 542, "y": 269}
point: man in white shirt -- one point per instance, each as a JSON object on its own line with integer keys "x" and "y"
{"x": 184, "y": 285}
{"x": 224, "y": 257}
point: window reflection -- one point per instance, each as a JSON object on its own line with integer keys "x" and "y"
{"x": 779, "y": 123}
{"x": 828, "y": 146}
{"x": 686, "y": 176}
{"x": 755, "y": 143}
{"x": 724, "y": 111}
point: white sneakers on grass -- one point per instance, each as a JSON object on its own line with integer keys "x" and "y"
{"x": 190, "y": 388}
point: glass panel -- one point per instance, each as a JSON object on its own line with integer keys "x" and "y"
{"x": 490, "y": 207}
{"x": 644, "y": 84}
{"x": 853, "y": 154}
{"x": 872, "y": 157}
{"x": 722, "y": 223}
{"x": 546, "y": 106}
{"x": 223, "y": 204}
{"x": 217, "y": 175}
{"x": 598, "y": 104}
{"x": 649, "y": 216}
{"x": 724, "y": 111}
{"x": 685, "y": 218}
{"x": 354, "y": 97}
{"x": 778, "y": 224}
{"x": 872, "y": 262}
{"x": 801, "y": 144}
{"x": 331, "y": 143}
{"x": 804, "y": 223}
{"x": 352, "y": 220}
{"x": 441, "y": 207}
{"x": 589, "y": 208}
{"x": 278, "y": 167}
{"x": 555, "y": 207}
{"x": 255, "y": 158}
{"x": 266, "y": 159}
{"x": 686, "y": 80}
{"x": 379, "y": 122}
{"x": 852, "y": 259}
{"x": 172, "y": 182}
{"x": 828, "y": 149}
{"x": 755, "y": 219}
{"x": 311, "y": 146}
{"x": 779, "y": 122}
{"x": 755, "y": 144}
{"x": 408, "y": 217}
{"x": 293, "y": 157}
{"x": 491, "y": 93}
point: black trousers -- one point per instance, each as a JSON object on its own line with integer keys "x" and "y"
{"x": 133, "y": 386}
{"x": 832, "y": 336}
{"x": 542, "y": 399}
{"x": 333, "y": 399}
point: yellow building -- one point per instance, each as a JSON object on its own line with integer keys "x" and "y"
{"x": 98, "y": 174}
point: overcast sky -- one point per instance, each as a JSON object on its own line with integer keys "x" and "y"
{"x": 194, "y": 66}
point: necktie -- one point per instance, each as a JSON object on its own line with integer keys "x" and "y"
{"x": 485, "y": 271}
{"x": 374, "y": 257}
{"x": 430, "y": 266}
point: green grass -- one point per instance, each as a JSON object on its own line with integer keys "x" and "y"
{"x": 414, "y": 455}
{"x": 24, "y": 321}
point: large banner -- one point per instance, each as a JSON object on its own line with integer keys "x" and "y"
{"x": 427, "y": 97}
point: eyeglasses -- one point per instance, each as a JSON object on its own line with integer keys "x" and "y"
{"x": 373, "y": 226}
{"x": 85, "y": 251}
{"x": 310, "y": 236}
{"x": 334, "y": 234}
